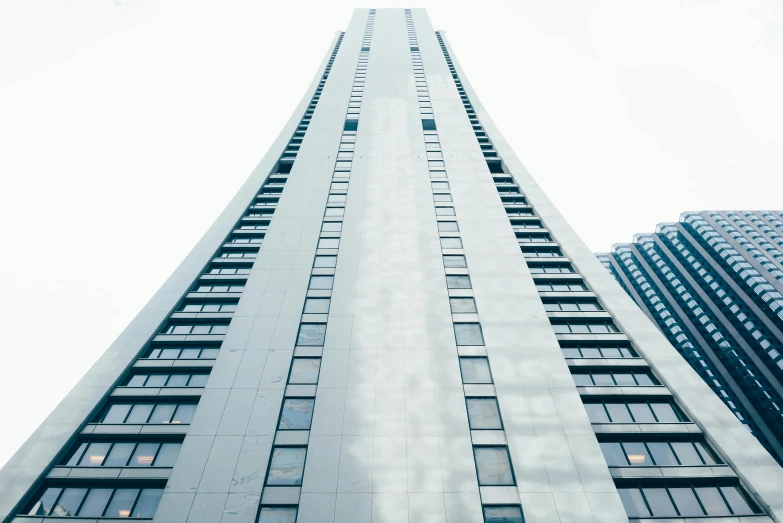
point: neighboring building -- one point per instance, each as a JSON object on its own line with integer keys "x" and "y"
{"x": 391, "y": 322}
{"x": 714, "y": 285}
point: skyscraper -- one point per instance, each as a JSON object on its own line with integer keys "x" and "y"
{"x": 362, "y": 336}
{"x": 713, "y": 283}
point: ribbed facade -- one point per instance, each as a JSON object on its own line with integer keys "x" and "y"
{"x": 391, "y": 323}
{"x": 712, "y": 282}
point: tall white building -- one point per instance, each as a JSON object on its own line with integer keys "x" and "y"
{"x": 390, "y": 322}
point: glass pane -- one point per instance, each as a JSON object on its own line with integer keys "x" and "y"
{"x": 457, "y": 282}
{"x": 287, "y": 466}
{"x": 641, "y": 413}
{"x": 493, "y": 466}
{"x": 95, "y": 455}
{"x": 643, "y": 379}
{"x": 156, "y": 380}
{"x": 144, "y": 455}
{"x": 686, "y": 502}
{"x": 178, "y": 380}
{"x": 122, "y": 503}
{"x": 613, "y": 454}
{"x": 198, "y": 380}
{"x": 582, "y": 380}
{"x": 140, "y": 413}
{"x": 610, "y": 353}
{"x": 154, "y": 354}
{"x": 169, "y": 354}
{"x": 603, "y": 380}
{"x": 662, "y": 454}
{"x": 633, "y": 503}
{"x": 451, "y": 243}
{"x": 167, "y": 455}
{"x": 117, "y": 413}
{"x": 590, "y": 352}
{"x": 297, "y": 414}
{"x": 44, "y": 505}
{"x": 596, "y": 413}
{"x": 739, "y": 505}
{"x": 454, "y": 261}
{"x": 483, "y": 413}
{"x": 618, "y": 413}
{"x": 468, "y": 334}
{"x": 69, "y": 502}
{"x": 664, "y": 412}
{"x": 311, "y": 334}
{"x": 208, "y": 354}
{"x": 162, "y": 413}
{"x": 325, "y": 261}
{"x": 712, "y": 501}
{"x": 148, "y": 503}
{"x": 119, "y": 455}
{"x": 625, "y": 380}
{"x": 330, "y": 243}
{"x": 180, "y": 329}
{"x": 316, "y": 306}
{"x": 462, "y": 305}
{"x": 503, "y": 515}
{"x": 578, "y": 328}
{"x": 659, "y": 502}
{"x": 568, "y": 307}
{"x": 184, "y": 414}
{"x": 76, "y": 456}
{"x": 686, "y": 453}
{"x": 637, "y": 454}
{"x": 137, "y": 380}
{"x": 571, "y": 353}
{"x": 305, "y": 370}
{"x": 475, "y": 370}
{"x": 95, "y": 503}
{"x": 321, "y": 282}
{"x": 277, "y": 515}
{"x": 211, "y": 307}
{"x": 706, "y": 454}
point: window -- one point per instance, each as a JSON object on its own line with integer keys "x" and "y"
{"x": 550, "y": 268}
{"x": 475, "y": 370}
{"x": 444, "y": 211}
{"x": 449, "y": 227}
{"x": 483, "y": 413}
{"x": 332, "y": 226}
{"x": 224, "y": 269}
{"x": 329, "y": 243}
{"x": 454, "y": 260}
{"x": 442, "y": 198}
{"x": 167, "y": 380}
{"x": 209, "y": 306}
{"x": 321, "y": 282}
{"x": 615, "y": 377}
{"x": 428, "y": 125}
{"x": 311, "y": 334}
{"x": 634, "y": 412}
{"x": 233, "y": 287}
{"x": 195, "y": 328}
{"x": 463, "y": 305}
{"x": 570, "y": 305}
{"x": 277, "y": 515}
{"x": 297, "y": 414}
{"x": 440, "y": 186}
{"x": 560, "y": 286}
{"x": 316, "y": 306}
{"x": 500, "y": 514}
{"x": 686, "y": 501}
{"x": 325, "y": 262}
{"x": 493, "y": 466}
{"x": 596, "y": 351}
{"x": 450, "y": 243}
{"x": 304, "y": 371}
{"x": 97, "y": 502}
{"x": 173, "y": 352}
{"x": 657, "y": 453}
{"x": 468, "y": 334}
{"x": 152, "y": 413}
{"x": 458, "y": 281}
{"x": 286, "y": 466}
{"x": 582, "y": 326}
{"x": 124, "y": 454}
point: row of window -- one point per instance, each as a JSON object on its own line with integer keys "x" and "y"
{"x": 124, "y": 454}
{"x": 615, "y": 377}
{"x": 147, "y": 413}
{"x": 657, "y": 453}
{"x": 167, "y": 380}
{"x": 97, "y": 502}
{"x": 686, "y": 501}
{"x": 195, "y": 328}
{"x": 634, "y": 412}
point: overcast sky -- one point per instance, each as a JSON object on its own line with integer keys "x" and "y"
{"x": 126, "y": 127}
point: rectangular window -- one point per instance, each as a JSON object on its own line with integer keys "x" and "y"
{"x": 463, "y": 305}
{"x": 286, "y": 466}
{"x": 454, "y": 260}
{"x": 325, "y": 261}
{"x": 686, "y": 501}
{"x": 321, "y": 282}
{"x": 329, "y": 243}
{"x": 635, "y": 412}
{"x": 493, "y": 465}
{"x": 458, "y": 281}
{"x": 167, "y": 380}
{"x": 277, "y": 515}
{"x": 449, "y": 227}
{"x": 311, "y": 334}
{"x": 304, "y": 371}
{"x": 503, "y": 514}
{"x": 483, "y": 414}
{"x": 450, "y": 243}
{"x": 475, "y": 370}
{"x": 297, "y": 414}
{"x": 143, "y": 413}
{"x": 172, "y": 352}
{"x": 316, "y": 306}
{"x": 468, "y": 334}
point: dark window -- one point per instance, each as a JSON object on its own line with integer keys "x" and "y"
{"x": 428, "y": 125}
{"x": 686, "y": 501}
{"x": 501, "y": 514}
{"x": 351, "y": 125}
{"x": 634, "y": 412}
{"x": 97, "y": 502}
{"x": 141, "y": 413}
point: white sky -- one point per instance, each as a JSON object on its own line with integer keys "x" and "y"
{"x": 126, "y": 126}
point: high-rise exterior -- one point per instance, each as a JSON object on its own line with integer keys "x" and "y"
{"x": 713, "y": 283}
{"x": 368, "y": 333}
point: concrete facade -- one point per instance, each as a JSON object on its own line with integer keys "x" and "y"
{"x": 390, "y": 438}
